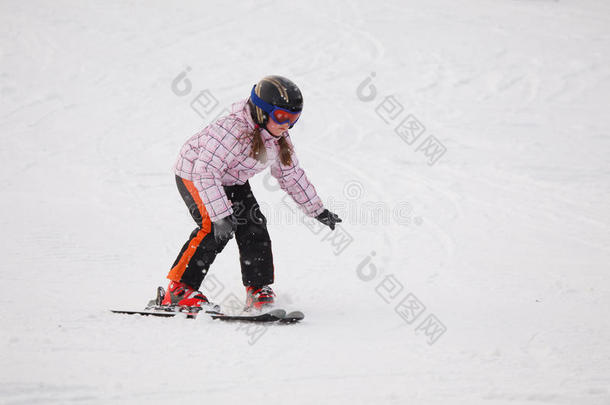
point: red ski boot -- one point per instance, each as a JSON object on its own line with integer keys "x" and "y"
{"x": 259, "y": 297}
{"x": 183, "y": 295}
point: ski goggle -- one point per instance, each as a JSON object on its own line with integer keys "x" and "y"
{"x": 279, "y": 115}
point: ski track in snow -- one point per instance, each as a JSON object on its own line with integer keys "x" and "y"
{"x": 508, "y": 234}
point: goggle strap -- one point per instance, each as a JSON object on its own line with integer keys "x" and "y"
{"x": 259, "y": 102}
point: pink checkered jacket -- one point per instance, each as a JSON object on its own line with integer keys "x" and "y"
{"x": 219, "y": 156}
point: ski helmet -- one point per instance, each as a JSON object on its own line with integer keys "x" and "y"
{"x": 274, "y": 93}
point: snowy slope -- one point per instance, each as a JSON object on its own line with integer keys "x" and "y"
{"x": 503, "y": 240}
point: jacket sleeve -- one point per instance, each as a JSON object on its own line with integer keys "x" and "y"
{"x": 292, "y": 180}
{"x": 214, "y": 157}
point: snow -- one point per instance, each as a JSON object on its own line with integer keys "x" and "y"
{"x": 503, "y": 240}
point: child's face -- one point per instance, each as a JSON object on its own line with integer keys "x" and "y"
{"x": 276, "y": 129}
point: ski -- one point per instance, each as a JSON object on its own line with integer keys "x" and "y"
{"x": 293, "y": 317}
{"x": 159, "y": 313}
{"x": 271, "y": 316}
{"x": 155, "y": 308}
{"x": 279, "y": 315}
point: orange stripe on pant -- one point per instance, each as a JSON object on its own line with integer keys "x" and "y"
{"x": 175, "y": 274}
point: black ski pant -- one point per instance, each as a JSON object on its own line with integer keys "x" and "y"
{"x": 253, "y": 242}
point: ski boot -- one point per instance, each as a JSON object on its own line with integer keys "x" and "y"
{"x": 259, "y": 297}
{"x": 184, "y": 296}
{"x": 180, "y": 297}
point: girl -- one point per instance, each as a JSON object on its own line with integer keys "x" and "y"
{"x": 212, "y": 174}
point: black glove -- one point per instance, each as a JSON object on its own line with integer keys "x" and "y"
{"x": 328, "y": 218}
{"x": 223, "y": 229}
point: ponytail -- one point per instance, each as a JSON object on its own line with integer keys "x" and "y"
{"x": 285, "y": 152}
{"x": 258, "y": 150}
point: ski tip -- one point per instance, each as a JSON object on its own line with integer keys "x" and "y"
{"x": 278, "y": 313}
{"x": 292, "y": 317}
{"x": 296, "y": 314}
